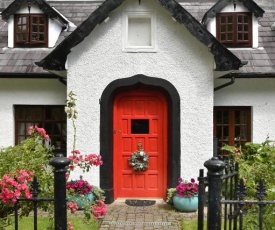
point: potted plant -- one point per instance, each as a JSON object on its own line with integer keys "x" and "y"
{"x": 79, "y": 191}
{"x": 185, "y": 196}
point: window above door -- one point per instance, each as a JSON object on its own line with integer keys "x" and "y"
{"x": 139, "y": 32}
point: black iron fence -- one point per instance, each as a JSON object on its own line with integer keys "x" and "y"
{"x": 60, "y": 163}
{"x": 225, "y": 200}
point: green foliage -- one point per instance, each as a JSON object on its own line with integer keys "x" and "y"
{"x": 256, "y": 162}
{"x": 170, "y": 193}
{"x": 31, "y": 154}
{"x": 98, "y": 193}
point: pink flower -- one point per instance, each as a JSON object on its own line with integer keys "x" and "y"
{"x": 14, "y": 185}
{"x": 185, "y": 188}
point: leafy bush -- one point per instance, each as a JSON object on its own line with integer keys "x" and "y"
{"x": 256, "y": 162}
{"x": 33, "y": 156}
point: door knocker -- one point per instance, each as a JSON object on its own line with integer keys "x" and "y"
{"x": 139, "y": 159}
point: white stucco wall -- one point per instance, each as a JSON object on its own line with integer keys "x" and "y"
{"x": 180, "y": 59}
{"x": 25, "y": 92}
{"x": 257, "y": 93}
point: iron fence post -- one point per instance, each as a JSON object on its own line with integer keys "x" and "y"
{"x": 60, "y": 163}
{"x": 215, "y": 169}
{"x": 201, "y": 199}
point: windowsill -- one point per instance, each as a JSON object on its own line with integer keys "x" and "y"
{"x": 245, "y": 48}
{"x": 136, "y": 49}
{"x": 28, "y": 48}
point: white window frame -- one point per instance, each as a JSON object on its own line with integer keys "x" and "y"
{"x": 131, "y": 48}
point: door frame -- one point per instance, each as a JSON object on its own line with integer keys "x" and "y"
{"x": 106, "y": 128}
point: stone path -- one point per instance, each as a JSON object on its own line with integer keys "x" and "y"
{"x": 158, "y": 216}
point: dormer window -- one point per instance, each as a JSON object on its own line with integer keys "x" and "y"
{"x": 30, "y": 30}
{"x": 235, "y": 29}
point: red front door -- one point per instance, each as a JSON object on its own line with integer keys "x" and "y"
{"x": 140, "y": 116}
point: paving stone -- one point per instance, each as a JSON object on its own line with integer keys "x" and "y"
{"x": 158, "y": 216}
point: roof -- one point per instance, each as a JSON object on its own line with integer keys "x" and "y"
{"x": 14, "y": 62}
{"x": 216, "y": 8}
{"x": 43, "y": 6}
{"x": 17, "y": 61}
{"x": 224, "y": 59}
{"x": 261, "y": 61}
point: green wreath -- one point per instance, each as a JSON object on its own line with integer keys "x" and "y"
{"x": 139, "y": 161}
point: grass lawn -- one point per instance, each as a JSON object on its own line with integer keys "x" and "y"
{"x": 191, "y": 225}
{"x": 26, "y": 223}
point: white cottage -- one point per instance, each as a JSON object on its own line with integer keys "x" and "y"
{"x": 146, "y": 72}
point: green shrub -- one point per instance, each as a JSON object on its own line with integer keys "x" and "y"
{"x": 31, "y": 155}
{"x": 256, "y": 162}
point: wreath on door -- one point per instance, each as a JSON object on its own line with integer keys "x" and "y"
{"x": 139, "y": 159}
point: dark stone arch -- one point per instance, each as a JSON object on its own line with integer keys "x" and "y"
{"x": 106, "y": 127}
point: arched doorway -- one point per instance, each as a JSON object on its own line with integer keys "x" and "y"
{"x": 106, "y": 127}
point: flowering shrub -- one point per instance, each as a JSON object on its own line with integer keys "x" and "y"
{"x": 34, "y": 131}
{"x": 97, "y": 209}
{"x": 187, "y": 189}
{"x": 72, "y": 206}
{"x": 14, "y": 185}
{"x": 18, "y": 165}
{"x": 80, "y": 187}
{"x": 84, "y": 162}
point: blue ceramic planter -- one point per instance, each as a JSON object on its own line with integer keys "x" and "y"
{"x": 185, "y": 204}
{"x": 82, "y": 200}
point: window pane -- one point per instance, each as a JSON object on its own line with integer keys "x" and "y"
{"x": 229, "y": 37}
{"x": 20, "y": 139}
{"x": 240, "y": 19}
{"x": 21, "y": 129}
{"x": 240, "y": 28}
{"x": 34, "y": 37}
{"x": 34, "y": 28}
{"x": 245, "y": 19}
{"x": 223, "y": 28}
{"x": 225, "y": 117}
{"x": 240, "y": 36}
{"x": 219, "y": 117}
{"x": 140, "y": 126}
{"x": 223, "y": 19}
{"x": 229, "y": 19}
{"x": 41, "y": 20}
{"x": 20, "y": 37}
{"x": 41, "y": 37}
{"x": 223, "y": 37}
{"x": 229, "y": 28}
{"x": 34, "y": 20}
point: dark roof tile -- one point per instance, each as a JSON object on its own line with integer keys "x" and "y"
{"x": 14, "y": 60}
